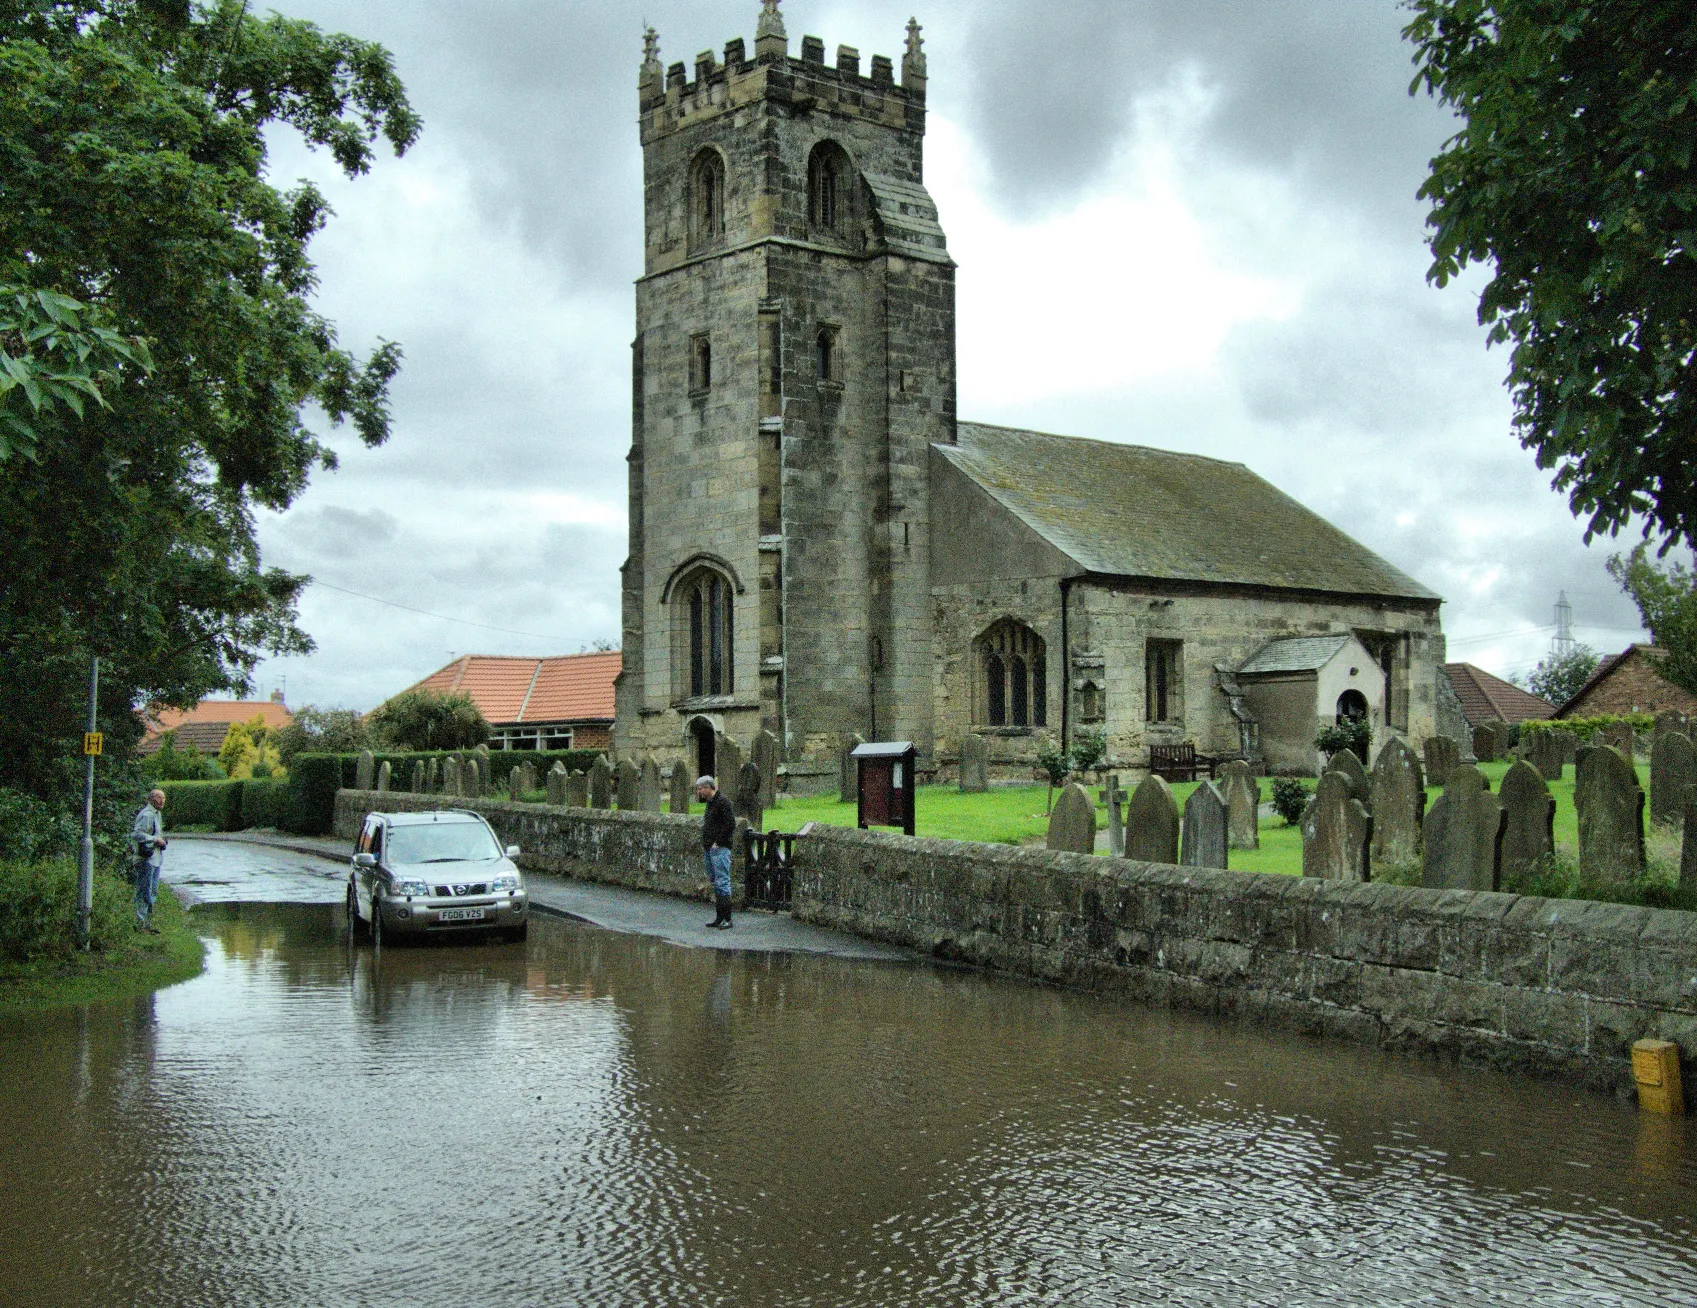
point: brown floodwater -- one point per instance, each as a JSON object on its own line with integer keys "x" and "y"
{"x": 607, "y": 1119}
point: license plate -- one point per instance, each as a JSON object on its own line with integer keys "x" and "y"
{"x": 460, "y": 915}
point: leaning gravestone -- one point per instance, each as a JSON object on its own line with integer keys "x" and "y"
{"x": 1617, "y": 735}
{"x": 764, "y": 754}
{"x": 1152, "y": 823}
{"x": 416, "y": 783}
{"x": 1443, "y": 756}
{"x": 556, "y": 780}
{"x": 1243, "y": 805}
{"x": 681, "y": 786}
{"x": 745, "y": 799}
{"x": 1336, "y": 831}
{"x": 1398, "y": 807}
{"x": 1347, "y": 765}
{"x": 365, "y": 771}
{"x": 384, "y": 775}
{"x": 1463, "y": 835}
{"x": 848, "y": 771}
{"x": 1673, "y": 771}
{"x": 728, "y": 760}
{"x": 1611, "y": 816}
{"x": 1072, "y": 823}
{"x": 1529, "y": 822}
{"x": 1204, "y": 828}
{"x": 648, "y": 787}
{"x": 600, "y": 783}
{"x": 974, "y": 764}
{"x": 577, "y": 790}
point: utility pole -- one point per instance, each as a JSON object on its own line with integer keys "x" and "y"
{"x": 1562, "y": 645}
{"x": 91, "y": 745}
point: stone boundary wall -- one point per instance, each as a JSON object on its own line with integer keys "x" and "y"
{"x": 1555, "y": 988}
{"x": 657, "y": 852}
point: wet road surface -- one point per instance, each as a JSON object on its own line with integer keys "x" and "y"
{"x": 604, "y": 1118}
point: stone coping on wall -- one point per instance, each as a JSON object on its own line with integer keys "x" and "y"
{"x": 659, "y": 852}
{"x": 1557, "y": 988}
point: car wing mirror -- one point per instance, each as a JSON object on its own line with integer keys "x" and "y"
{"x": 512, "y": 851}
{"x": 365, "y": 860}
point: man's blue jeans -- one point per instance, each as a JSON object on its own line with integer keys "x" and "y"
{"x": 719, "y": 870}
{"x": 147, "y": 889}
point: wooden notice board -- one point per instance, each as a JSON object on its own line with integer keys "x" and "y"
{"x": 887, "y": 783}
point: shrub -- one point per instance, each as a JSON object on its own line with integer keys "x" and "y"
{"x": 215, "y": 804}
{"x": 1290, "y": 798}
{"x": 38, "y": 910}
{"x": 1351, "y": 733}
{"x": 423, "y": 719}
{"x": 1587, "y": 728}
{"x": 323, "y": 731}
{"x": 168, "y": 763}
{"x": 1089, "y": 748}
{"x": 314, "y": 779}
{"x": 31, "y": 828}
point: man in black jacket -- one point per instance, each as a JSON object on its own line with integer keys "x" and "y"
{"x": 718, "y": 830}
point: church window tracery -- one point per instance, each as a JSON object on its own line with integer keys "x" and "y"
{"x": 1012, "y": 676}
{"x": 705, "y": 630}
{"x": 706, "y": 199}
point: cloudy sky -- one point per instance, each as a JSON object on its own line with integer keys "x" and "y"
{"x": 1181, "y": 223}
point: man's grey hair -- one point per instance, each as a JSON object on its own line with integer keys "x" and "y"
{"x": 706, "y": 781}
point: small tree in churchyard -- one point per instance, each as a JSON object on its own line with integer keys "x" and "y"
{"x": 423, "y": 720}
{"x": 1055, "y": 763}
{"x": 1290, "y": 799}
{"x": 1089, "y": 748}
{"x": 324, "y": 731}
{"x": 1349, "y": 733}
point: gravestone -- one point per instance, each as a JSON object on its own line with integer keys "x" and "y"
{"x": 577, "y": 790}
{"x": 1617, "y": 735}
{"x": 485, "y": 770}
{"x": 1204, "y": 828}
{"x": 1485, "y": 742}
{"x": 1443, "y": 756}
{"x": 745, "y": 799}
{"x": 681, "y": 786}
{"x": 1545, "y": 751}
{"x": 848, "y": 772}
{"x": 416, "y": 784}
{"x": 1398, "y": 805}
{"x": 1152, "y": 822}
{"x": 974, "y": 764}
{"x": 433, "y": 776}
{"x": 1688, "y": 850}
{"x": 1611, "y": 816}
{"x": 1336, "y": 831}
{"x": 1673, "y": 771}
{"x": 648, "y": 789}
{"x": 460, "y": 773}
{"x": 1243, "y": 805}
{"x": 1529, "y": 821}
{"x": 1347, "y": 765}
{"x": 530, "y": 779}
{"x": 728, "y": 759}
{"x": 384, "y": 774}
{"x": 764, "y": 754}
{"x": 627, "y": 783}
{"x": 1072, "y": 823}
{"x": 557, "y": 784}
{"x": 1569, "y": 742}
{"x": 365, "y": 771}
{"x": 1670, "y": 720}
{"x": 600, "y": 783}
{"x": 1114, "y": 797}
{"x": 1463, "y": 835}
{"x": 515, "y": 784}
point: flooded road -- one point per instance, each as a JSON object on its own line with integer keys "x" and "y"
{"x": 599, "y": 1118}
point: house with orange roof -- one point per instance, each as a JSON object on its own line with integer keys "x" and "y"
{"x": 563, "y": 702}
{"x": 1485, "y": 697}
{"x": 206, "y": 724}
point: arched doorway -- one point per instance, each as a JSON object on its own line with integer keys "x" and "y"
{"x": 702, "y": 736}
{"x": 1352, "y": 707}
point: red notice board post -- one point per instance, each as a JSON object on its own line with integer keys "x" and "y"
{"x": 887, "y": 783}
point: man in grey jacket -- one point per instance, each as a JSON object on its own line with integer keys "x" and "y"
{"x": 147, "y": 841}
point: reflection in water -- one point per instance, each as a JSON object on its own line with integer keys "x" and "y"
{"x": 598, "y": 1118}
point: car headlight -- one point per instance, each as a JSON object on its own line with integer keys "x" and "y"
{"x": 509, "y": 882}
{"x": 420, "y": 888}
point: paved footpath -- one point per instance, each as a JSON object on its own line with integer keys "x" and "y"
{"x": 259, "y": 867}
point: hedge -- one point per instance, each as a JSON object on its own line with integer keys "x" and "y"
{"x": 314, "y": 779}
{"x": 215, "y": 804}
{"x": 1585, "y": 728}
{"x": 262, "y": 803}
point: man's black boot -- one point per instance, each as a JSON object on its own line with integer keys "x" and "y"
{"x": 724, "y": 907}
{"x": 718, "y": 911}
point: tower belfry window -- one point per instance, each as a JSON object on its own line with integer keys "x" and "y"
{"x": 828, "y": 173}
{"x": 706, "y": 199}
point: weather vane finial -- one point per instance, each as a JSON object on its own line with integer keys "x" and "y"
{"x": 771, "y": 21}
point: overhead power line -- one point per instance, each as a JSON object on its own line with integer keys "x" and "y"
{"x": 464, "y": 622}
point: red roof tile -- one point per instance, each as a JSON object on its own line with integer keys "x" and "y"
{"x": 1483, "y": 697}
{"x": 206, "y": 724}
{"x": 510, "y": 690}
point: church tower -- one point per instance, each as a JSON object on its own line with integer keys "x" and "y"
{"x": 794, "y": 361}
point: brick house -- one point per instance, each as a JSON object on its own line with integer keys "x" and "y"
{"x": 1628, "y": 682}
{"x": 206, "y": 724}
{"x": 564, "y": 702}
{"x": 1485, "y": 697}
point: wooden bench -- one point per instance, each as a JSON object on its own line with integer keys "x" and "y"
{"x": 1173, "y": 762}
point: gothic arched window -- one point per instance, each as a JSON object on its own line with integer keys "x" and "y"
{"x": 706, "y": 199}
{"x": 704, "y": 632}
{"x": 829, "y": 195}
{"x": 1013, "y": 681}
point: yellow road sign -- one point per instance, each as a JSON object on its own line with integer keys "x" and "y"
{"x": 92, "y": 742}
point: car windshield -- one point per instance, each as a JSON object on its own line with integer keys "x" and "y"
{"x": 442, "y": 842}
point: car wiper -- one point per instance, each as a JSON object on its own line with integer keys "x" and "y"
{"x": 446, "y": 860}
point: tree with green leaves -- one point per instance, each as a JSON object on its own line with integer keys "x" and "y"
{"x": 161, "y": 344}
{"x": 1572, "y": 178}
{"x": 323, "y": 731}
{"x": 424, "y": 719}
{"x": 1559, "y": 677}
{"x": 1667, "y": 601}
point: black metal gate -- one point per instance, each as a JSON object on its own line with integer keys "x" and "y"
{"x": 766, "y": 880}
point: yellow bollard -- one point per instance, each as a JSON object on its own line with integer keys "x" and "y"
{"x": 1655, "y": 1066}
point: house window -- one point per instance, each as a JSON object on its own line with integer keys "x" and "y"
{"x": 1163, "y": 690}
{"x": 1013, "y": 676}
{"x": 827, "y": 358}
{"x": 700, "y": 363}
{"x": 706, "y": 199}
{"x": 705, "y": 646}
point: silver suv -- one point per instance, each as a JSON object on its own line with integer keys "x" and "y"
{"x": 437, "y": 873}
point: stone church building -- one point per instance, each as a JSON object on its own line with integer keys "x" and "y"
{"x": 820, "y": 548}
